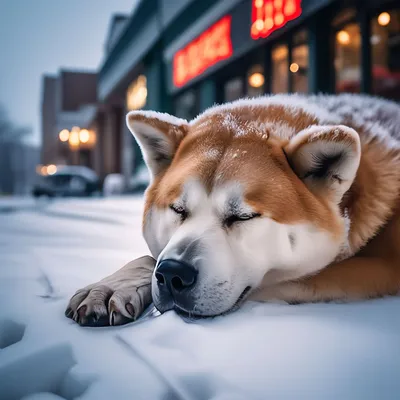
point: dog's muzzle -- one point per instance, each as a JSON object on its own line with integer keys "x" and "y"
{"x": 175, "y": 282}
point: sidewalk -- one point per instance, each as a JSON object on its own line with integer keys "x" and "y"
{"x": 15, "y": 203}
{"x": 263, "y": 351}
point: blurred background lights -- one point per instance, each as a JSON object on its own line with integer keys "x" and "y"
{"x": 256, "y": 80}
{"x": 51, "y": 169}
{"x": 137, "y": 93}
{"x": 74, "y": 138}
{"x": 64, "y": 135}
{"x": 259, "y": 24}
{"x": 279, "y": 19}
{"x": 343, "y": 37}
{"x": 294, "y": 67}
{"x": 384, "y": 19}
{"x": 84, "y": 136}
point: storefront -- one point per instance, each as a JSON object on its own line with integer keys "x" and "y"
{"x": 183, "y": 56}
{"x": 280, "y": 46}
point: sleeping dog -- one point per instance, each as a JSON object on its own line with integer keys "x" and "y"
{"x": 290, "y": 198}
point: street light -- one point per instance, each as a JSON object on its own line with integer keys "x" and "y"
{"x": 77, "y": 137}
{"x": 84, "y": 136}
{"x": 74, "y": 137}
{"x": 64, "y": 135}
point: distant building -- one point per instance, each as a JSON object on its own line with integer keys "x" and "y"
{"x": 49, "y": 120}
{"x": 68, "y": 104}
{"x": 76, "y": 105}
{"x": 116, "y": 27}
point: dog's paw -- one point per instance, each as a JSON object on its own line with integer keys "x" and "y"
{"x": 115, "y": 300}
{"x": 101, "y": 305}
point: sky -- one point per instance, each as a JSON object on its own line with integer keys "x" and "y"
{"x": 41, "y": 36}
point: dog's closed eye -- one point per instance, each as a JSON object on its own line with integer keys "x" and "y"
{"x": 179, "y": 210}
{"x": 234, "y": 218}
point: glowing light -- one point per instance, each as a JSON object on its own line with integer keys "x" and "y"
{"x": 74, "y": 137}
{"x": 279, "y": 18}
{"x": 384, "y": 19}
{"x": 269, "y": 23}
{"x": 294, "y": 67}
{"x": 136, "y": 95}
{"x": 254, "y": 29}
{"x": 84, "y": 136}
{"x": 274, "y": 14}
{"x": 64, "y": 135}
{"x": 343, "y": 37}
{"x": 256, "y": 79}
{"x": 51, "y": 169}
{"x": 259, "y": 24}
{"x": 43, "y": 170}
{"x": 211, "y": 47}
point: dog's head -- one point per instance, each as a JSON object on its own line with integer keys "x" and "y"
{"x": 238, "y": 198}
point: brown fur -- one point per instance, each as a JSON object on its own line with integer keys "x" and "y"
{"x": 258, "y": 158}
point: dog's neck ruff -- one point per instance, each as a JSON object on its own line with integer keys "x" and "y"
{"x": 345, "y": 249}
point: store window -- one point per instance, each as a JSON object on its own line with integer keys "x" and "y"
{"x": 299, "y": 65}
{"x": 344, "y": 16}
{"x": 299, "y": 68}
{"x": 280, "y": 69}
{"x": 187, "y": 105}
{"x": 233, "y": 89}
{"x": 385, "y": 45}
{"x": 255, "y": 81}
{"x": 348, "y": 58}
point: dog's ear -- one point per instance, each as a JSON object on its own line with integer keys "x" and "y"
{"x": 158, "y": 135}
{"x": 326, "y": 159}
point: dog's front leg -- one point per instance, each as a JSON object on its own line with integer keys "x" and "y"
{"x": 117, "y": 299}
{"x": 356, "y": 278}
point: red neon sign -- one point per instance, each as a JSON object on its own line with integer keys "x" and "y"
{"x": 269, "y": 15}
{"x": 209, "y": 48}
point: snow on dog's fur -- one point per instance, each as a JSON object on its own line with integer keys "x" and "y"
{"x": 284, "y": 197}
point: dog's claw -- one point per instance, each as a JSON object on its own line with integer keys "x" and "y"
{"x": 81, "y": 311}
{"x": 115, "y": 300}
{"x": 130, "y": 309}
{"x": 112, "y": 316}
{"x": 69, "y": 313}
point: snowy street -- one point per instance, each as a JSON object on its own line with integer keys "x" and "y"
{"x": 263, "y": 351}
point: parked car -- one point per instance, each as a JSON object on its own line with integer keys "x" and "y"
{"x": 68, "y": 181}
{"x": 113, "y": 185}
{"x": 140, "y": 181}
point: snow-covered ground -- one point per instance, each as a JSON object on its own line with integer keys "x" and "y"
{"x": 263, "y": 351}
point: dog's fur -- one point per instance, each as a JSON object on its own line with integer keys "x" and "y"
{"x": 295, "y": 197}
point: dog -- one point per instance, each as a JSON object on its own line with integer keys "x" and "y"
{"x": 288, "y": 198}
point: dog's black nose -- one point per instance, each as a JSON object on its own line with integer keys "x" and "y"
{"x": 175, "y": 275}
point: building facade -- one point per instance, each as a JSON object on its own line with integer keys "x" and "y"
{"x": 49, "y": 119}
{"x": 68, "y": 105}
{"x": 183, "y": 56}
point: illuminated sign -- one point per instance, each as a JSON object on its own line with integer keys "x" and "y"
{"x": 270, "y": 15}
{"x": 209, "y": 48}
